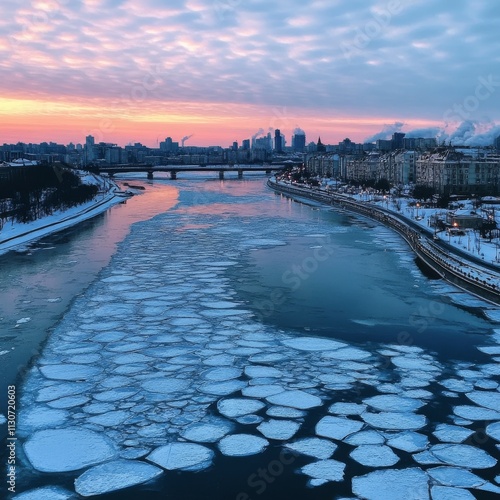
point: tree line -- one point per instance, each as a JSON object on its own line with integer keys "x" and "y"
{"x": 30, "y": 192}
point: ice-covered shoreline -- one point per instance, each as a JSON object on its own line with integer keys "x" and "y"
{"x": 15, "y": 236}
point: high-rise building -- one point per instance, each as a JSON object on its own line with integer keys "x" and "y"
{"x": 278, "y": 141}
{"x": 245, "y": 144}
{"x": 497, "y": 143}
{"x": 299, "y": 142}
{"x": 397, "y": 140}
{"x": 89, "y": 149}
{"x": 320, "y": 147}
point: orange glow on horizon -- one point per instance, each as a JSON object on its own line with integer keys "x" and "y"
{"x": 149, "y": 122}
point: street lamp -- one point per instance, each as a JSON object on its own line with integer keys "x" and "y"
{"x": 418, "y": 205}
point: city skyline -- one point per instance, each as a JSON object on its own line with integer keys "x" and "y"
{"x": 220, "y": 71}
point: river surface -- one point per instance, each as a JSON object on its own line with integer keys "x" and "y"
{"x": 289, "y": 342}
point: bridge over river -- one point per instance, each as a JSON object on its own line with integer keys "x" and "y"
{"x": 175, "y": 169}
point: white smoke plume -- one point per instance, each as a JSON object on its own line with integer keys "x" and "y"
{"x": 386, "y": 132}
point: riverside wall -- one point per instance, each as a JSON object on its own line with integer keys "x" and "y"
{"x": 453, "y": 268}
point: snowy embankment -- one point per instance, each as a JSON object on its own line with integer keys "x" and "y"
{"x": 17, "y": 234}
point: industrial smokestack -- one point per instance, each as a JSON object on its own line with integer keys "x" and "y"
{"x": 185, "y": 138}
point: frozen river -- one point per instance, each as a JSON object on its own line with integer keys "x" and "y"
{"x": 242, "y": 345}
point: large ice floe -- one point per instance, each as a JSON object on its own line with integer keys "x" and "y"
{"x": 151, "y": 374}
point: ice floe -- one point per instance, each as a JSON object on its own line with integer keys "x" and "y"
{"x": 46, "y": 493}
{"x": 470, "y": 412}
{"x": 183, "y": 456}
{"x": 347, "y": 408}
{"x": 295, "y": 399}
{"x": 393, "y": 403}
{"x": 279, "y": 429}
{"x": 324, "y": 471}
{"x": 313, "y": 344}
{"x": 463, "y": 455}
{"x": 70, "y": 372}
{"x": 337, "y": 427}
{"x": 408, "y": 441}
{"x": 313, "y": 447}
{"x": 241, "y": 445}
{"x": 374, "y": 455}
{"x": 237, "y": 407}
{"x": 493, "y": 430}
{"x": 392, "y": 485}
{"x": 394, "y": 420}
{"x": 207, "y": 432}
{"x": 452, "y": 433}
{"x": 449, "y": 493}
{"x": 62, "y": 450}
{"x": 487, "y": 399}
{"x": 113, "y": 476}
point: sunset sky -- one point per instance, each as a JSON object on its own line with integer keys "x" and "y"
{"x": 220, "y": 70}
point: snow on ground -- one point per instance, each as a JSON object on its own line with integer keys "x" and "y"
{"x": 151, "y": 365}
{"x": 17, "y": 235}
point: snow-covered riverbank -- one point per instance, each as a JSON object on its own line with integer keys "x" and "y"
{"x": 16, "y": 235}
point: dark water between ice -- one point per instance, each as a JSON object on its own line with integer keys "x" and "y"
{"x": 302, "y": 270}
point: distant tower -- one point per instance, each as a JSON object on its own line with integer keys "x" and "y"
{"x": 397, "y": 140}
{"x": 278, "y": 141}
{"x": 299, "y": 142}
{"x": 89, "y": 149}
{"x": 320, "y": 147}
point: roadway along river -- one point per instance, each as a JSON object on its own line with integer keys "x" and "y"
{"x": 275, "y": 349}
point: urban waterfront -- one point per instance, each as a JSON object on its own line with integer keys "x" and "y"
{"x": 297, "y": 347}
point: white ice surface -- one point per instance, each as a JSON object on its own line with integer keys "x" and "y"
{"x": 237, "y": 407}
{"x": 279, "y": 429}
{"x": 113, "y": 476}
{"x": 337, "y": 427}
{"x": 449, "y": 493}
{"x": 373, "y": 455}
{"x": 183, "y": 456}
{"x": 493, "y": 430}
{"x": 46, "y": 493}
{"x": 295, "y": 399}
{"x": 394, "y": 420}
{"x": 313, "y": 344}
{"x": 463, "y": 455}
{"x": 392, "y": 485}
{"x": 452, "y": 433}
{"x": 324, "y": 471}
{"x": 62, "y": 450}
{"x": 207, "y": 432}
{"x": 313, "y": 447}
{"x": 408, "y": 441}
{"x": 241, "y": 445}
